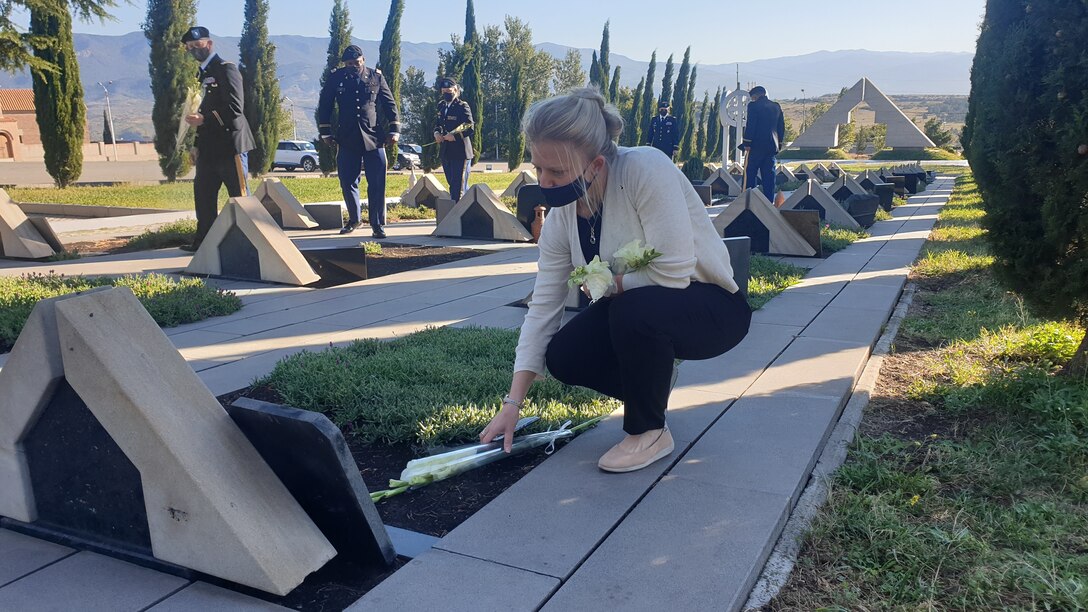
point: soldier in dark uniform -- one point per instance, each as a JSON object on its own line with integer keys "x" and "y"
{"x": 763, "y": 134}
{"x": 223, "y": 139}
{"x": 453, "y": 131}
{"x": 664, "y": 130}
{"x": 364, "y": 101}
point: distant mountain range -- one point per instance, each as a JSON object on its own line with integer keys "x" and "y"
{"x": 300, "y": 59}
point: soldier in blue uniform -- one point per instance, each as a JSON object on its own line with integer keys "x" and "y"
{"x": 453, "y": 130}
{"x": 664, "y": 130}
{"x": 364, "y": 101}
{"x": 223, "y": 138}
{"x": 764, "y": 133}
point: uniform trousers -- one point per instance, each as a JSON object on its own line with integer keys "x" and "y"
{"x": 625, "y": 346}
{"x": 763, "y": 165}
{"x": 456, "y": 171}
{"x": 351, "y": 162}
{"x": 213, "y": 171}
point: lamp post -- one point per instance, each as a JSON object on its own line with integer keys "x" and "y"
{"x": 294, "y": 124}
{"x": 804, "y": 112}
{"x": 109, "y": 117}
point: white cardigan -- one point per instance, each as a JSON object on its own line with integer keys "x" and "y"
{"x": 646, "y": 198}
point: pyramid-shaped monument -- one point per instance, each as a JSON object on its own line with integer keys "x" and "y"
{"x": 22, "y": 237}
{"x": 480, "y": 214}
{"x": 524, "y": 177}
{"x": 824, "y": 132}
{"x": 753, "y": 216}
{"x": 723, "y": 183}
{"x": 425, "y": 192}
{"x": 812, "y": 196}
{"x": 284, "y": 207}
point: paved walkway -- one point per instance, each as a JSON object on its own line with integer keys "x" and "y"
{"x": 692, "y": 532}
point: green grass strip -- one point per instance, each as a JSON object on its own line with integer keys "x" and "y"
{"x": 437, "y": 386}
{"x": 169, "y": 302}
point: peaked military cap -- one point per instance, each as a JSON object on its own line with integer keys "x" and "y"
{"x": 663, "y": 104}
{"x": 195, "y": 33}
{"x": 446, "y": 82}
{"x": 351, "y": 53}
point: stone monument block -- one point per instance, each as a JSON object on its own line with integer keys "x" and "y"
{"x": 753, "y": 216}
{"x": 21, "y": 238}
{"x": 425, "y": 192}
{"x": 824, "y": 132}
{"x": 329, "y": 215}
{"x": 807, "y": 223}
{"x": 723, "y": 183}
{"x": 524, "y": 177}
{"x": 210, "y": 502}
{"x": 834, "y": 169}
{"x": 812, "y": 196}
{"x": 822, "y": 174}
{"x": 337, "y": 265}
{"x": 844, "y": 187}
{"x": 480, "y": 214}
{"x": 320, "y": 473}
{"x": 705, "y": 193}
{"x": 803, "y": 173}
{"x": 862, "y": 208}
{"x": 442, "y": 207}
{"x": 529, "y": 197}
{"x": 284, "y": 207}
{"x": 740, "y": 259}
{"x": 245, "y": 242}
{"x": 783, "y": 175}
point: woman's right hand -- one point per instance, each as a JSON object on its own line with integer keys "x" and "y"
{"x": 502, "y": 423}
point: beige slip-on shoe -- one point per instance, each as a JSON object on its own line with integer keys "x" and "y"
{"x": 637, "y": 452}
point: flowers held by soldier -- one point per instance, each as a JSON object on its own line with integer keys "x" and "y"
{"x": 634, "y": 256}
{"x": 596, "y": 276}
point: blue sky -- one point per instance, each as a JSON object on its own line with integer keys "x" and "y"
{"x": 718, "y": 31}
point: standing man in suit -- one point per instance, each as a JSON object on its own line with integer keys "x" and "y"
{"x": 763, "y": 135}
{"x": 453, "y": 133}
{"x": 223, "y": 139}
{"x": 364, "y": 100}
{"x": 664, "y": 131}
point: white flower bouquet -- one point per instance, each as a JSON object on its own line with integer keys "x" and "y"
{"x": 596, "y": 276}
{"x": 634, "y": 256}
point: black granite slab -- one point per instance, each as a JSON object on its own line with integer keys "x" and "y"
{"x": 862, "y": 207}
{"x": 748, "y": 224}
{"x": 310, "y": 456}
{"x": 476, "y": 223}
{"x": 238, "y": 258}
{"x": 336, "y": 265}
{"x": 807, "y": 223}
{"x": 740, "y": 259}
{"x": 529, "y": 197}
{"x": 273, "y": 209}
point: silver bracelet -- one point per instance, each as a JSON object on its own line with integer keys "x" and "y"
{"x": 509, "y": 400}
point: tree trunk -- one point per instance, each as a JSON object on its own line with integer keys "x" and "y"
{"x": 1078, "y": 366}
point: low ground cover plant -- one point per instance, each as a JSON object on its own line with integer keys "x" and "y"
{"x": 968, "y": 486}
{"x": 170, "y": 302}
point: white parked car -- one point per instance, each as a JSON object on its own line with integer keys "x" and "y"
{"x": 294, "y": 154}
{"x": 408, "y": 156}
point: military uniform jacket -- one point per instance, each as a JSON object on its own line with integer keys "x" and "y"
{"x": 364, "y": 102}
{"x": 225, "y": 131}
{"x": 455, "y": 118}
{"x": 766, "y": 127}
{"x": 664, "y": 133}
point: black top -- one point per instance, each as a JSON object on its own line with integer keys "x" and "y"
{"x": 766, "y": 128}
{"x": 225, "y": 131}
{"x": 589, "y": 249}
{"x": 364, "y": 103}
{"x": 455, "y": 118}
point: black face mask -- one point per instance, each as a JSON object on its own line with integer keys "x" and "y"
{"x": 566, "y": 194}
{"x": 200, "y": 53}
{"x": 663, "y": 112}
{"x": 448, "y": 97}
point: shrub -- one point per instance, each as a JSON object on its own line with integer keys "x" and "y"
{"x": 694, "y": 169}
{"x": 170, "y": 235}
{"x": 914, "y": 155}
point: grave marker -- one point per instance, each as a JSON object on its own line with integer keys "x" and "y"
{"x": 284, "y": 207}
{"x": 425, "y": 192}
{"x": 807, "y": 223}
{"x": 753, "y": 216}
{"x": 723, "y": 183}
{"x": 22, "y": 237}
{"x": 844, "y": 187}
{"x": 524, "y": 177}
{"x": 245, "y": 242}
{"x": 480, "y": 214}
{"x": 152, "y": 447}
{"x": 812, "y": 196}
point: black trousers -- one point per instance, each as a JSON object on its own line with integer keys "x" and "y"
{"x": 212, "y": 172}
{"x": 455, "y": 170}
{"x": 624, "y": 346}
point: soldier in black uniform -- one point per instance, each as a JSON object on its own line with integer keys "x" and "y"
{"x": 453, "y": 131}
{"x": 365, "y": 102}
{"x": 223, "y": 139}
{"x": 764, "y": 132}
{"x": 664, "y": 131}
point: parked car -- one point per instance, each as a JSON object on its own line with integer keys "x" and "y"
{"x": 294, "y": 154}
{"x": 408, "y": 156}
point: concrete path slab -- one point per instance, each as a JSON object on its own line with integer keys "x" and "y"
{"x": 204, "y": 597}
{"x": 21, "y": 555}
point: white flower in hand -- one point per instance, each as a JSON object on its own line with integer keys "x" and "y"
{"x": 596, "y": 276}
{"x": 634, "y": 256}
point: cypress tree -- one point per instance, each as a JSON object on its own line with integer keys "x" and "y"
{"x": 614, "y": 89}
{"x": 701, "y": 129}
{"x": 430, "y": 158}
{"x": 594, "y": 72}
{"x": 713, "y": 130}
{"x": 680, "y": 91}
{"x": 633, "y": 128}
{"x": 606, "y": 66}
{"x": 666, "y": 80}
{"x": 172, "y": 73}
{"x": 58, "y": 94}
{"x": 519, "y": 103}
{"x": 687, "y": 142}
{"x": 339, "y": 39}
{"x": 472, "y": 92}
{"x": 261, "y": 87}
{"x": 648, "y": 103}
{"x": 389, "y": 64}
{"x": 1025, "y": 139}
